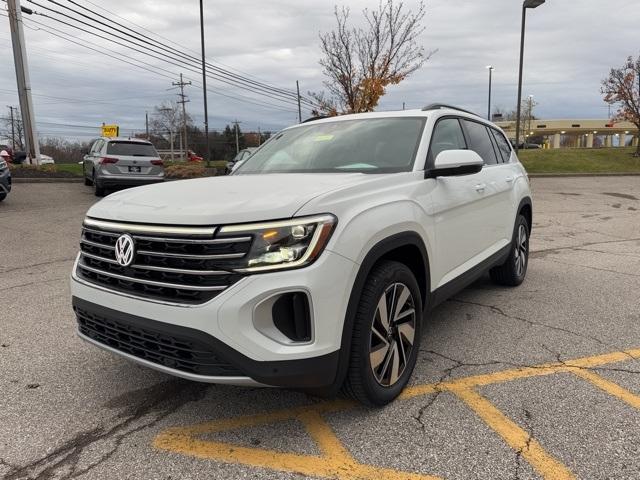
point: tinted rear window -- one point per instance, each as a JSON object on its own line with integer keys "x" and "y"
{"x": 135, "y": 149}
{"x": 480, "y": 142}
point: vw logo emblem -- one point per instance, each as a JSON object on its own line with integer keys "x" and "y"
{"x": 125, "y": 250}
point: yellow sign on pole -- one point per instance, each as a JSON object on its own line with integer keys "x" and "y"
{"x": 110, "y": 130}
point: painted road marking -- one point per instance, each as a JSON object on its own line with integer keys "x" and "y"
{"x": 335, "y": 461}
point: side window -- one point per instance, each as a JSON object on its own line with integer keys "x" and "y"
{"x": 480, "y": 142}
{"x": 447, "y": 135}
{"x": 503, "y": 145}
{"x": 97, "y": 146}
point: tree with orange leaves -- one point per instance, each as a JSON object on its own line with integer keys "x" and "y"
{"x": 622, "y": 87}
{"x": 360, "y": 63}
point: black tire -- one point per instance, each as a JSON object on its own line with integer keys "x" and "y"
{"x": 98, "y": 189}
{"x": 512, "y": 272}
{"x": 3, "y": 196}
{"x": 364, "y": 382}
{"x": 87, "y": 181}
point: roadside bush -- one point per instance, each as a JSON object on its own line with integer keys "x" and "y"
{"x": 186, "y": 170}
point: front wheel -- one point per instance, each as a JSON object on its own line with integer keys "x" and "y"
{"x": 386, "y": 335}
{"x": 98, "y": 189}
{"x": 3, "y": 196}
{"x": 514, "y": 269}
{"x": 87, "y": 181}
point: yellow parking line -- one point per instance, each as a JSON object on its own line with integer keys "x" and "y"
{"x": 609, "y": 387}
{"x": 336, "y": 462}
{"x": 530, "y": 449}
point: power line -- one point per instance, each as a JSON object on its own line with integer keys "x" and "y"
{"x": 62, "y": 34}
{"x": 219, "y": 69}
{"x": 159, "y": 48}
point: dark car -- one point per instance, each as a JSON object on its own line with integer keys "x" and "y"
{"x": 5, "y": 179}
{"x": 239, "y": 159}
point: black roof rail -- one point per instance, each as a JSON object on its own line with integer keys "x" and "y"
{"x": 438, "y": 106}
{"x": 311, "y": 119}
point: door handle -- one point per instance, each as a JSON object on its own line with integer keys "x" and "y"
{"x": 509, "y": 179}
{"x": 480, "y": 187}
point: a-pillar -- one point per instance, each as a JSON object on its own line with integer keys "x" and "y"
{"x": 589, "y": 140}
{"x": 556, "y": 140}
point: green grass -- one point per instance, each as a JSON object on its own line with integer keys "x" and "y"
{"x": 581, "y": 160}
{"x": 74, "y": 168}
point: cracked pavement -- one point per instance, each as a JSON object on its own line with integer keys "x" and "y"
{"x": 95, "y": 416}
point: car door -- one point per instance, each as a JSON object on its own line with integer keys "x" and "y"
{"x": 88, "y": 161}
{"x": 491, "y": 202}
{"x": 459, "y": 226}
{"x": 506, "y": 178}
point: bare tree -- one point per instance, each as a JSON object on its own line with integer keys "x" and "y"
{"x": 166, "y": 122}
{"x": 360, "y": 63}
{"x": 622, "y": 87}
{"x": 17, "y": 131}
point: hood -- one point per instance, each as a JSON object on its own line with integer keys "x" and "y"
{"x": 220, "y": 200}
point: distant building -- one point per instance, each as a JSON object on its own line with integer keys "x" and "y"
{"x": 575, "y": 133}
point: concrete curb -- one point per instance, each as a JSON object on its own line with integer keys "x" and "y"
{"x": 602, "y": 174}
{"x": 46, "y": 180}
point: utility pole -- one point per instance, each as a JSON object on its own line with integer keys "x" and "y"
{"x": 183, "y": 100}
{"x": 237, "y": 123}
{"x": 402, "y": 105}
{"x": 299, "y": 108}
{"x": 204, "y": 87}
{"x": 22, "y": 78}
{"x": 146, "y": 123}
{"x": 259, "y": 136}
{"x": 13, "y": 129}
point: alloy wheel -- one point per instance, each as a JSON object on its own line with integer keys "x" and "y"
{"x": 392, "y": 334}
{"x": 521, "y": 250}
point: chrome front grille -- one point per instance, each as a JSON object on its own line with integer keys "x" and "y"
{"x": 171, "y": 264}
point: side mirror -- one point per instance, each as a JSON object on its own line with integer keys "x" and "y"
{"x": 450, "y": 163}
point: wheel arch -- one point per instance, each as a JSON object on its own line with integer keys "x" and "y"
{"x": 402, "y": 247}
{"x": 526, "y": 208}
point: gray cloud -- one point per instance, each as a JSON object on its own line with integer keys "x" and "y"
{"x": 570, "y": 47}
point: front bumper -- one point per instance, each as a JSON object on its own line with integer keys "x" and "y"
{"x": 226, "y": 327}
{"x": 5, "y": 181}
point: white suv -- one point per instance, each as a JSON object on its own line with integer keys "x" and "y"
{"x": 314, "y": 265}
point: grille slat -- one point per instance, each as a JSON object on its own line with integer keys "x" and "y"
{"x": 163, "y": 348}
{"x": 167, "y": 268}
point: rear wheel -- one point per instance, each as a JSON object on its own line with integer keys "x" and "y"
{"x": 514, "y": 269}
{"x": 386, "y": 335}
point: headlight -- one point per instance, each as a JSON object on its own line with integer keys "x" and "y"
{"x": 284, "y": 244}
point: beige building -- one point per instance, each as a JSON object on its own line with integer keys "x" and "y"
{"x": 576, "y": 133}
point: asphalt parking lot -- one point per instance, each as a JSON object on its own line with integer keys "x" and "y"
{"x": 541, "y": 381}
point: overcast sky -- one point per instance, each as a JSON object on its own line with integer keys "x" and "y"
{"x": 571, "y": 45}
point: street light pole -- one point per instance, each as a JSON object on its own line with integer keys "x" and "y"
{"x": 204, "y": 88}
{"x": 526, "y": 4}
{"x": 490, "y": 67}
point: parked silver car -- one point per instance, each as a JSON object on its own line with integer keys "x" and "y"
{"x": 121, "y": 162}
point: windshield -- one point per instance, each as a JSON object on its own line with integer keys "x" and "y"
{"x": 134, "y": 149}
{"x": 373, "y": 145}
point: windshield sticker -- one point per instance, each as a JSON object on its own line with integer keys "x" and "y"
{"x": 322, "y": 138}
